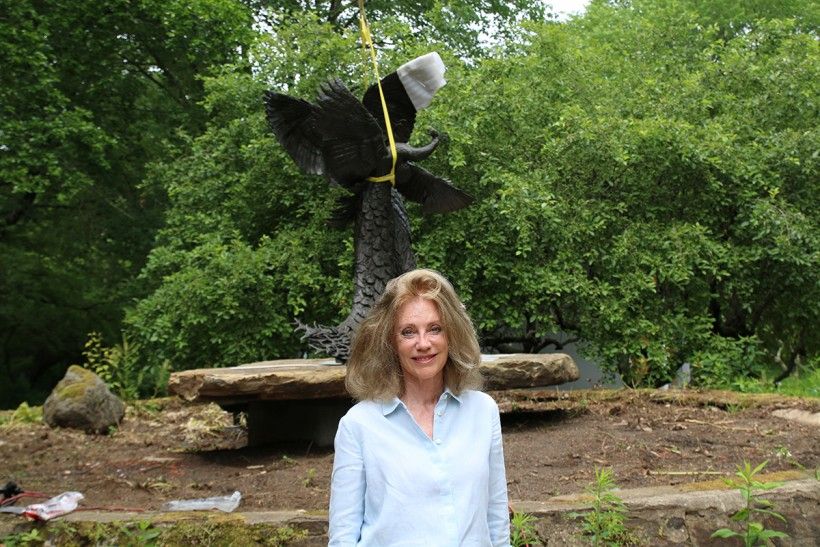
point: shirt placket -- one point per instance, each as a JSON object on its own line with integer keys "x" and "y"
{"x": 438, "y": 451}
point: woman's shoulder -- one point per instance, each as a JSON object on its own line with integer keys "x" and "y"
{"x": 478, "y": 399}
{"x": 363, "y": 411}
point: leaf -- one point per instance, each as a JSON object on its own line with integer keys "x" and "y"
{"x": 725, "y": 533}
{"x": 769, "y": 534}
{"x": 771, "y": 513}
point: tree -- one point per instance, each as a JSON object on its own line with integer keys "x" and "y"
{"x": 645, "y": 184}
{"x": 645, "y": 179}
{"x": 90, "y": 96}
{"x": 462, "y": 25}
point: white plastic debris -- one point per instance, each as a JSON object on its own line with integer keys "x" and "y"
{"x": 223, "y": 503}
{"x": 55, "y": 507}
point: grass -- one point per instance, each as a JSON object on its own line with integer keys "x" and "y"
{"x": 23, "y": 414}
{"x": 802, "y": 383}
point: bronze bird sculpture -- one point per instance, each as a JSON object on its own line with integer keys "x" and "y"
{"x": 346, "y": 141}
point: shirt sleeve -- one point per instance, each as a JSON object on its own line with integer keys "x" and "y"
{"x": 347, "y": 488}
{"x": 498, "y": 516}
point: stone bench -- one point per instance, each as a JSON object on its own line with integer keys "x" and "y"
{"x": 303, "y": 399}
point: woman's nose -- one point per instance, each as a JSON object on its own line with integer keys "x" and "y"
{"x": 423, "y": 340}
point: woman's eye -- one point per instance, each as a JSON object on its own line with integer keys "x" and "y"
{"x": 435, "y": 330}
{"x": 407, "y": 333}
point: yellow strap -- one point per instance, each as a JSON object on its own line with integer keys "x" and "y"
{"x": 367, "y": 41}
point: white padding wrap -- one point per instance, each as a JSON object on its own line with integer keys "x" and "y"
{"x": 422, "y": 77}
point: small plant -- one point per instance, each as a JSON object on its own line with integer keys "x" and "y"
{"x": 285, "y": 535}
{"x": 754, "y": 532}
{"x": 734, "y": 408}
{"x": 522, "y": 530}
{"x": 605, "y": 524}
{"x": 23, "y": 414}
{"x": 142, "y": 534}
{"x": 32, "y": 537}
{"x": 150, "y": 407}
{"x": 310, "y": 478}
{"x": 288, "y": 460}
{"x": 783, "y": 452}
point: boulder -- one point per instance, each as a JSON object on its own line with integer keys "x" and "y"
{"x": 81, "y": 400}
{"x": 518, "y": 370}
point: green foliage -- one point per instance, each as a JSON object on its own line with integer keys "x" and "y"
{"x": 145, "y": 533}
{"x": 310, "y": 478}
{"x": 120, "y": 368}
{"x": 605, "y": 524}
{"x": 88, "y": 98}
{"x": 23, "y": 414}
{"x": 805, "y": 382}
{"x": 753, "y": 532}
{"x": 726, "y": 360}
{"x": 625, "y": 194}
{"x": 645, "y": 179}
{"x": 32, "y": 537}
{"x": 463, "y": 25}
{"x": 140, "y": 534}
{"x": 522, "y": 530}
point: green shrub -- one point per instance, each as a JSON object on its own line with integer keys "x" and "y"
{"x": 120, "y": 367}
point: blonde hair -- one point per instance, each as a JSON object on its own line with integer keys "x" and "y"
{"x": 374, "y": 371}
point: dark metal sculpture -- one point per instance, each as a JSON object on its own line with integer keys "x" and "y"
{"x": 346, "y": 141}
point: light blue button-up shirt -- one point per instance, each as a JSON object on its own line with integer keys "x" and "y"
{"x": 393, "y": 485}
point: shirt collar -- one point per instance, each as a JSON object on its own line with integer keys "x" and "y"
{"x": 392, "y": 404}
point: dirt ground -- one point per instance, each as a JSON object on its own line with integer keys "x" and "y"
{"x": 166, "y": 449}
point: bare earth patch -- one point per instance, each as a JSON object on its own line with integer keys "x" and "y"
{"x": 167, "y": 449}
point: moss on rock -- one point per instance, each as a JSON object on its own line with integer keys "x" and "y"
{"x": 200, "y": 529}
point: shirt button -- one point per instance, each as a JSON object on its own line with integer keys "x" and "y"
{"x": 439, "y": 413}
{"x": 438, "y": 441}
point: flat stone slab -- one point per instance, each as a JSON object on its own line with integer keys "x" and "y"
{"x": 661, "y": 515}
{"x": 800, "y": 416}
{"x": 305, "y": 379}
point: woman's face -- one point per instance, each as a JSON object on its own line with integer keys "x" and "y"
{"x": 420, "y": 340}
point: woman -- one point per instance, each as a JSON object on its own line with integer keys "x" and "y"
{"x": 419, "y": 459}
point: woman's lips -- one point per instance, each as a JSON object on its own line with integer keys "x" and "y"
{"x": 424, "y": 358}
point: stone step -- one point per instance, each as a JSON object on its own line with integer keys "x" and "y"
{"x": 666, "y": 515}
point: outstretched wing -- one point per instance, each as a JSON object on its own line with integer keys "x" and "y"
{"x": 352, "y": 141}
{"x": 293, "y": 121}
{"x": 436, "y": 195}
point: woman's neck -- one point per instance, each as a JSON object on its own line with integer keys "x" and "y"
{"x": 424, "y": 394}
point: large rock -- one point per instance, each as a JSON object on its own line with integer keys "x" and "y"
{"x": 281, "y": 380}
{"x": 82, "y": 401}
{"x": 302, "y": 379}
{"x": 517, "y": 370}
